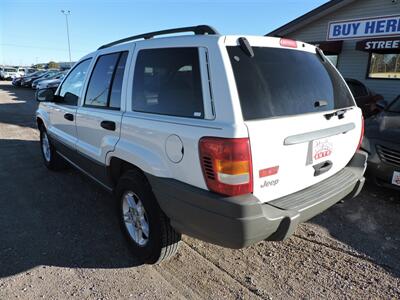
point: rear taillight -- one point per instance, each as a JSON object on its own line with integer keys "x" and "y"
{"x": 362, "y": 133}
{"x": 288, "y": 43}
{"x": 226, "y": 165}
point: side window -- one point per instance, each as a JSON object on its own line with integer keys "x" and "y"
{"x": 167, "y": 81}
{"x": 72, "y": 85}
{"x": 107, "y": 73}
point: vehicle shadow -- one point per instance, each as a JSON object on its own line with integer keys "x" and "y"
{"x": 54, "y": 218}
{"x": 63, "y": 219}
{"x": 19, "y": 108}
{"x": 370, "y": 224}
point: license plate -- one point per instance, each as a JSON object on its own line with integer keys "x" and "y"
{"x": 322, "y": 149}
{"x": 396, "y": 178}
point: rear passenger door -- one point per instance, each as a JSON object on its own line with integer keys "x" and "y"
{"x": 98, "y": 119}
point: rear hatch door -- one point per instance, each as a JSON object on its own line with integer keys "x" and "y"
{"x": 301, "y": 117}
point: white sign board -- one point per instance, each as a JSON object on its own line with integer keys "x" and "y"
{"x": 361, "y": 28}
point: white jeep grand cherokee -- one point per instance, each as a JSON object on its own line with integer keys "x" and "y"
{"x": 229, "y": 139}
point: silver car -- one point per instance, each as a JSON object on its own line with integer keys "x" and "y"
{"x": 50, "y": 83}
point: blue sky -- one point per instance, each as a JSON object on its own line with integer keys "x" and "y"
{"x": 35, "y": 31}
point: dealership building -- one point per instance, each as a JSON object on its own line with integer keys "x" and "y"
{"x": 361, "y": 37}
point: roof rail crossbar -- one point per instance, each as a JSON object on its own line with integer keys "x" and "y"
{"x": 199, "y": 29}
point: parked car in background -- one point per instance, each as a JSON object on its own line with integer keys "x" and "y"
{"x": 17, "y": 81}
{"x": 48, "y": 75}
{"x": 8, "y": 73}
{"x": 27, "y": 80}
{"x": 51, "y": 83}
{"x": 382, "y": 142}
{"x": 25, "y": 71}
{"x": 366, "y": 99}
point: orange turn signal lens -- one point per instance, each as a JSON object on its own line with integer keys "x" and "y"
{"x": 232, "y": 167}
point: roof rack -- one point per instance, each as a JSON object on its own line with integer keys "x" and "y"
{"x": 199, "y": 29}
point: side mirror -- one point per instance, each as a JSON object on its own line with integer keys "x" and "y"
{"x": 381, "y": 104}
{"x": 45, "y": 95}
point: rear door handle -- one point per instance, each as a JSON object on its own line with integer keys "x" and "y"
{"x": 69, "y": 117}
{"x": 322, "y": 167}
{"x": 108, "y": 125}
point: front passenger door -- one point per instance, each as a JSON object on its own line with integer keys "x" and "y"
{"x": 63, "y": 111}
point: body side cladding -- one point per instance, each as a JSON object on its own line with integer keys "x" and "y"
{"x": 94, "y": 169}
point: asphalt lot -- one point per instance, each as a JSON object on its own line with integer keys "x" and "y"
{"x": 59, "y": 238}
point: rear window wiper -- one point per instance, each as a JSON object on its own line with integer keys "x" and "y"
{"x": 339, "y": 113}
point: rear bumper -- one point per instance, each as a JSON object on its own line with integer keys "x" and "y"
{"x": 236, "y": 222}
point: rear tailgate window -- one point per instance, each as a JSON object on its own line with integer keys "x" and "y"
{"x": 284, "y": 82}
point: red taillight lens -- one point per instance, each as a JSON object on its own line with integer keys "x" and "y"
{"x": 288, "y": 43}
{"x": 362, "y": 133}
{"x": 226, "y": 165}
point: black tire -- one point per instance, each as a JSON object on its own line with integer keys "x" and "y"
{"x": 163, "y": 240}
{"x": 55, "y": 161}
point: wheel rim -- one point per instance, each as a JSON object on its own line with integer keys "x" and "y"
{"x": 46, "y": 147}
{"x": 135, "y": 218}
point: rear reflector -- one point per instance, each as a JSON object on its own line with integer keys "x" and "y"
{"x": 226, "y": 165}
{"x": 269, "y": 172}
{"x": 288, "y": 43}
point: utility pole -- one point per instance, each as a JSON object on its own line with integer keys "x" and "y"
{"x": 66, "y": 13}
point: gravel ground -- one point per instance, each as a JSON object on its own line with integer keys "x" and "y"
{"x": 60, "y": 239}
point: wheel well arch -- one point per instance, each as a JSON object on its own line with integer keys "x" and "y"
{"x": 118, "y": 167}
{"x": 39, "y": 122}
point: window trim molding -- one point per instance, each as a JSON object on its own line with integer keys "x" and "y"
{"x": 206, "y": 84}
{"x": 101, "y": 107}
{"x": 369, "y": 66}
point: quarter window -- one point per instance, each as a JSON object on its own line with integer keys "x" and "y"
{"x": 167, "y": 81}
{"x": 72, "y": 86}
